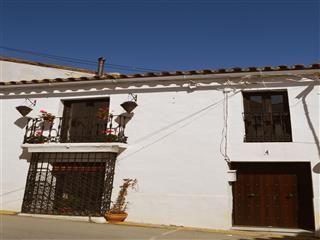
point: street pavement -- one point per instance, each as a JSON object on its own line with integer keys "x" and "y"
{"x": 18, "y": 227}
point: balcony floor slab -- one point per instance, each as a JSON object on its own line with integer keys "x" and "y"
{"x": 114, "y": 147}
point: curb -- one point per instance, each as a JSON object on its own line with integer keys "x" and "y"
{"x": 205, "y": 230}
{"x": 241, "y": 233}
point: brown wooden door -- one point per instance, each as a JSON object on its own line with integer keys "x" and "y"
{"x": 266, "y": 199}
{"x": 273, "y": 195}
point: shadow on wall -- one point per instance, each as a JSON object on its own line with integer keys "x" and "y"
{"x": 303, "y": 95}
{"x": 25, "y": 155}
{"x": 316, "y": 169}
{"x": 21, "y": 122}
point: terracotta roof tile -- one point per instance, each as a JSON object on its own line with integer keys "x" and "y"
{"x": 315, "y": 66}
{"x": 165, "y": 73}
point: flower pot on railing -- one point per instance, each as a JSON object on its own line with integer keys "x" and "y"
{"x": 129, "y": 106}
{"x": 46, "y": 116}
{"x": 111, "y": 137}
{"x": 37, "y": 139}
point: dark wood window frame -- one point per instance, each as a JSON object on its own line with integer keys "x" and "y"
{"x": 267, "y": 116}
{"x": 80, "y": 124}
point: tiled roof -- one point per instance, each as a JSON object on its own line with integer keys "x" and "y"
{"x": 168, "y": 74}
{"x": 16, "y": 60}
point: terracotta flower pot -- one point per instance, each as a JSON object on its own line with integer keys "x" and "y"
{"x": 115, "y": 217}
{"x": 129, "y": 106}
{"x": 24, "y": 110}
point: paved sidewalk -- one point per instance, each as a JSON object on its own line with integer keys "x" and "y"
{"x": 18, "y": 227}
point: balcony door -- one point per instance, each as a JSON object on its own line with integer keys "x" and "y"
{"x": 80, "y": 122}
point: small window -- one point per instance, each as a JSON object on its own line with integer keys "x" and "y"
{"x": 267, "y": 116}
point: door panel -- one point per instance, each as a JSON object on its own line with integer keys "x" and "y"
{"x": 268, "y": 195}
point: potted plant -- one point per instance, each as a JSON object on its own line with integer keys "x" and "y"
{"x": 129, "y": 106}
{"x": 117, "y": 212}
{"x": 46, "y": 116}
{"x": 38, "y": 138}
{"x": 24, "y": 110}
{"x": 110, "y": 136}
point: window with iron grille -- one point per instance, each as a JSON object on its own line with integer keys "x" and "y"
{"x": 266, "y": 116}
{"x": 69, "y": 183}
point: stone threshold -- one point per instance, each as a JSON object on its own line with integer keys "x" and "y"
{"x": 282, "y": 231}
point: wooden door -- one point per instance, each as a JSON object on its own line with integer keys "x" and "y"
{"x": 273, "y": 195}
{"x": 266, "y": 200}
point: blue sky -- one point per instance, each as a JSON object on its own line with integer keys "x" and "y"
{"x": 163, "y": 34}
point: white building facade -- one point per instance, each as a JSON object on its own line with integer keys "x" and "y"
{"x": 210, "y": 149}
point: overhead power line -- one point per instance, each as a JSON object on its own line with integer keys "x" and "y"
{"x": 79, "y": 60}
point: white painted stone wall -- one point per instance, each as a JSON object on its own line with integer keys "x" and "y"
{"x": 174, "y": 150}
{"x": 11, "y": 71}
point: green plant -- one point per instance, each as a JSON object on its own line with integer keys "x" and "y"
{"x": 120, "y": 205}
{"x": 38, "y": 138}
{"x": 110, "y": 136}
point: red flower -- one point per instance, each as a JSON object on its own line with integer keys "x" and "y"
{"x": 109, "y": 131}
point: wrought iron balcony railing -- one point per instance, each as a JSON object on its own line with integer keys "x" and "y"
{"x": 267, "y": 127}
{"x": 79, "y": 130}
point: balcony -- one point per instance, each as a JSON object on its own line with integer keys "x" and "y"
{"x": 76, "y": 135}
{"x": 267, "y": 127}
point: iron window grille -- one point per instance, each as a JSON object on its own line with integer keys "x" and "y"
{"x": 267, "y": 117}
{"x": 77, "y": 184}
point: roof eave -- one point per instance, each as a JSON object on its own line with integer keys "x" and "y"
{"x": 118, "y": 80}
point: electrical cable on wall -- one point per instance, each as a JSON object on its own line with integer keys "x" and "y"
{"x": 224, "y": 132}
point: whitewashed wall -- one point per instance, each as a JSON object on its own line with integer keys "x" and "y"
{"x": 174, "y": 152}
{"x": 12, "y": 170}
{"x": 11, "y": 71}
